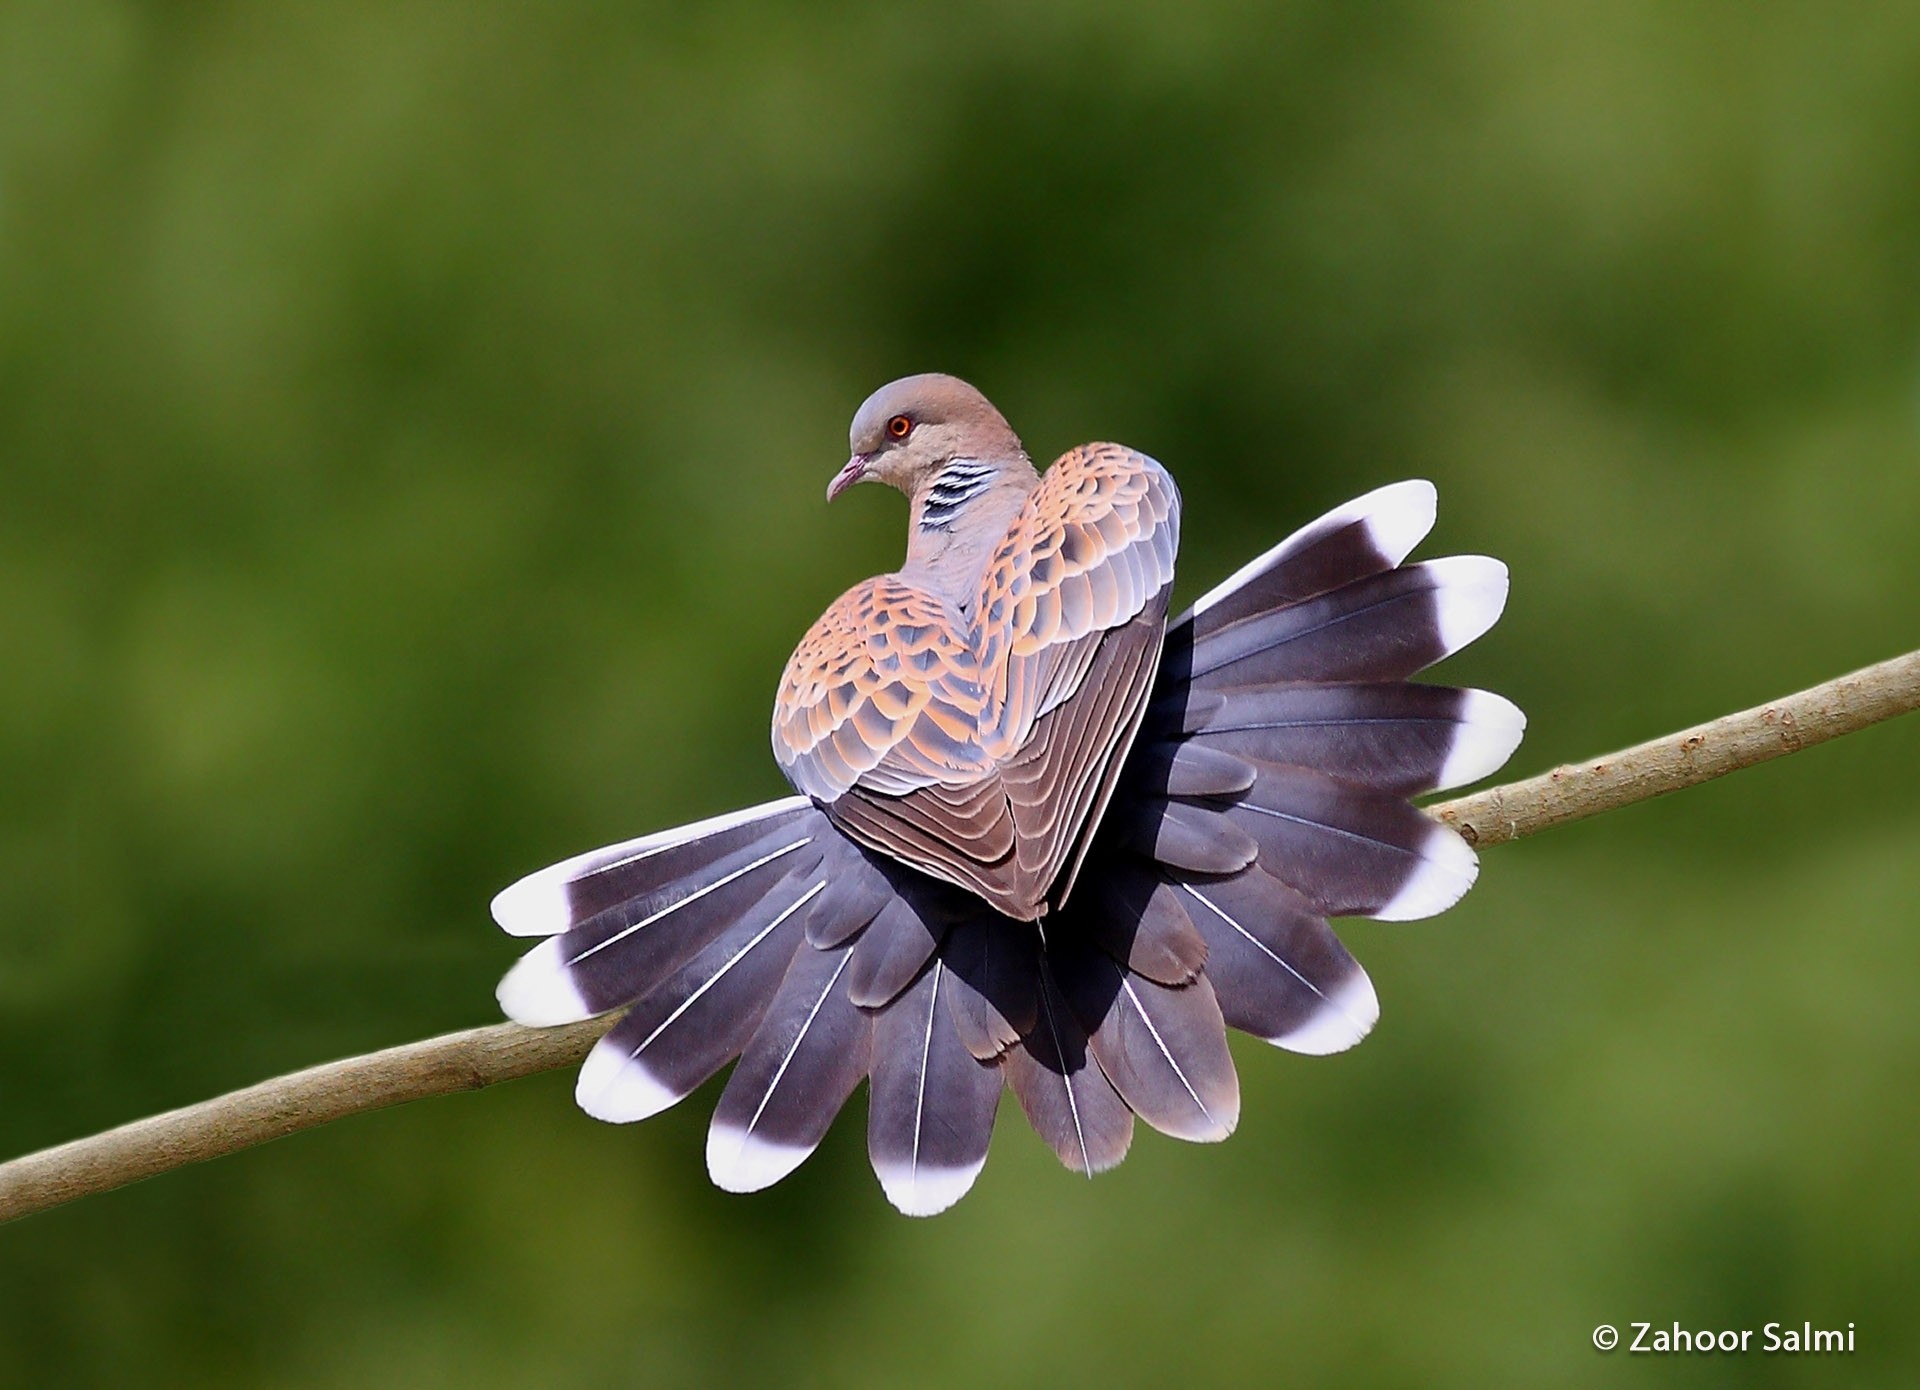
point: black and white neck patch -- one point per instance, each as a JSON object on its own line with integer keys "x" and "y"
{"x": 959, "y": 483}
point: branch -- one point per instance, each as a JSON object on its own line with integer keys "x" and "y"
{"x": 463, "y": 1061}
{"x": 481, "y": 1056}
{"x": 1575, "y": 791}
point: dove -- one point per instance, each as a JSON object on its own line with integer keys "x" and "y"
{"x": 1044, "y": 840}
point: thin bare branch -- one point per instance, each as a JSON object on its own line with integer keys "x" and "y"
{"x": 1688, "y": 758}
{"x": 463, "y": 1061}
{"x": 481, "y": 1056}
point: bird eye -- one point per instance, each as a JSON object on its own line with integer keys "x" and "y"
{"x": 899, "y": 427}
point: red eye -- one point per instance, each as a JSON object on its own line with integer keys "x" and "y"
{"x": 899, "y": 427}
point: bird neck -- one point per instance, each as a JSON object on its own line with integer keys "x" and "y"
{"x": 959, "y": 518}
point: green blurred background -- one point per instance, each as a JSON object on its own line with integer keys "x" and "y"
{"x": 413, "y": 427}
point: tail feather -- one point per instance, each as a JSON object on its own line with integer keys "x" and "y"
{"x": 1352, "y": 852}
{"x": 1067, "y": 1098}
{"x": 1185, "y": 835}
{"x": 809, "y": 1052}
{"x": 932, "y": 1102}
{"x": 856, "y": 891}
{"x": 1385, "y": 627}
{"x": 1363, "y": 537}
{"x": 567, "y": 894}
{"x": 1279, "y": 971}
{"x": 623, "y": 952}
{"x": 1164, "y": 1049}
{"x": 698, "y": 1020}
{"x": 1179, "y": 706}
{"x": 1395, "y": 737}
{"x": 893, "y": 949}
{"x": 1192, "y": 767}
{"x": 1141, "y": 924}
{"x": 994, "y": 996}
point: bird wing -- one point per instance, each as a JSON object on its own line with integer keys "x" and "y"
{"x": 1072, "y": 612}
{"x": 983, "y": 752}
{"x": 878, "y": 720}
{"x": 883, "y": 693}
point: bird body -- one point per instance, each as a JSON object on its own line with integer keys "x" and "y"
{"x": 1044, "y": 839}
{"x": 936, "y": 713}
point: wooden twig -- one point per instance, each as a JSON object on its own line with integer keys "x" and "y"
{"x": 1575, "y": 791}
{"x": 481, "y": 1056}
{"x": 463, "y": 1061}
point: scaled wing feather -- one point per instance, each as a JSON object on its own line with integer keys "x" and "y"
{"x": 981, "y": 746}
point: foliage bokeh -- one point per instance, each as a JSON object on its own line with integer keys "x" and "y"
{"x": 413, "y": 423}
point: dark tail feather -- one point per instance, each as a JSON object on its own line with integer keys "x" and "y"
{"x": 1367, "y": 535}
{"x": 567, "y": 894}
{"x": 1385, "y": 627}
{"x": 1164, "y": 1050}
{"x": 810, "y": 1051}
{"x": 995, "y": 995}
{"x": 897, "y": 944}
{"x": 1394, "y": 737}
{"x": 626, "y": 950}
{"x": 1347, "y": 849}
{"x": 697, "y": 1021}
{"x": 932, "y": 1102}
{"x": 1353, "y": 852}
{"x": 856, "y": 891}
{"x": 1141, "y": 924}
{"x": 1279, "y": 971}
{"x": 1067, "y": 1098}
{"x": 1182, "y": 834}
{"x": 1194, "y": 767}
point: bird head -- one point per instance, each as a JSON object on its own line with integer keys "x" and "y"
{"x": 909, "y": 431}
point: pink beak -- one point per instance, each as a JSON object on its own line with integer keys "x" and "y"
{"x": 854, "y": 472}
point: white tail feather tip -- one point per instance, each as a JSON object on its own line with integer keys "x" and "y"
{"x": 616, "y": 1087}
{"x": 539, "y": 991}
{"x": 1470, "y": 591}
{"x": 739, "y": 1161}
{"x": 535, "y": 906}
{"x": 929, "y": 1191}
{"x": 1346, "y": 1016}
{"x": 1491, "y": 727}
{"x": 1397, "y": 516}
{"x": 1447, "y": 869}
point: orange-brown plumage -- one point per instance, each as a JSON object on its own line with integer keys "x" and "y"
{"x": 944, "y": 714}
